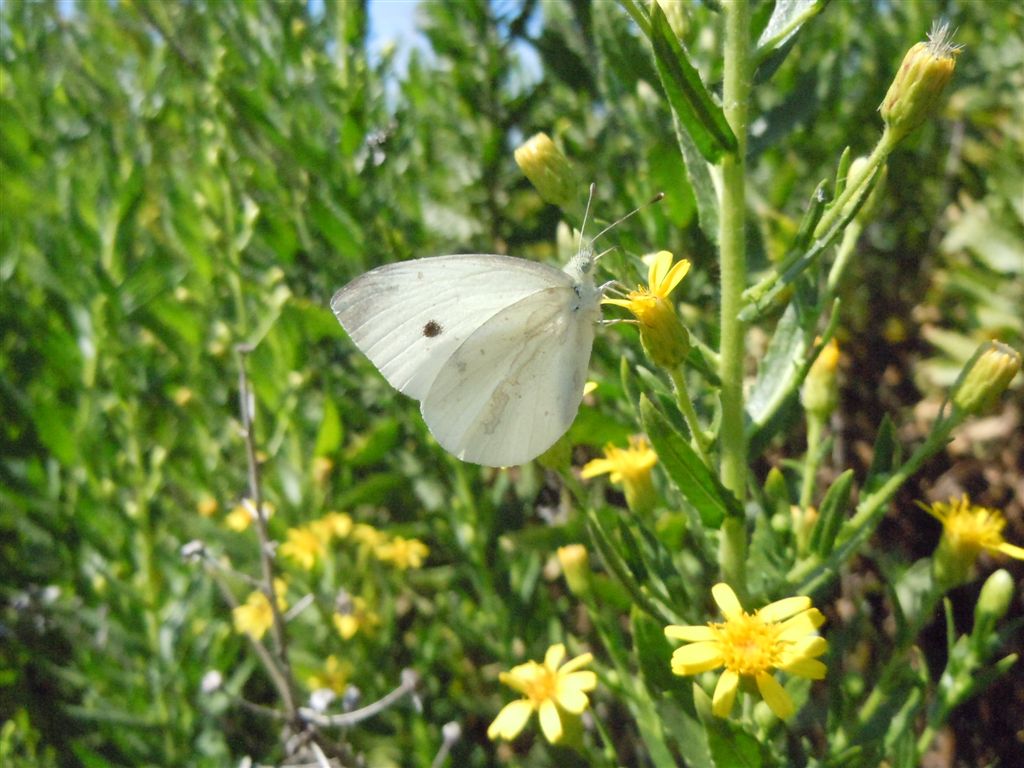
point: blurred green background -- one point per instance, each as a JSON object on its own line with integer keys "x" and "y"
{"x": 178, "y": 178}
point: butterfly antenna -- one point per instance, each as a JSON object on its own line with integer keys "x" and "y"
{"x": 616, "y": 223}
{"x": 586, "y": 212}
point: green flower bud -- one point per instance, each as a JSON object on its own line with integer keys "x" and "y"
{"x": 575, "y": 564}
{"x": 820, "y": 393}
{"x": 995, "y": 597}
{"x": 547, "y": 169}
{"x": 915, "y": 92}
{"x": 985, "y": 377}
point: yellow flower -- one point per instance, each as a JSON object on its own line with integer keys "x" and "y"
{"x": 402, "y": 553}
{"x": 367, "y": 535}
{"x": 241, "y": 517}
{"x": 630, "y": 466}
{"x": 554, "y": 693}
{"x": 255, "y": 616}
{"x": 207, "y": 506}
{"x": 334, "y": 676}
{"x": 967, "y": 529}
{"x": 303, "y": 547}
{"x": 353, "y": 616}
{"x": 779, "y": 636}
{"x": 661, "y": 333}
{"x": 333, "y": 525}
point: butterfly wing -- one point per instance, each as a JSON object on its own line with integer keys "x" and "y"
{"x": 409, "y": 318}
{"x": 513, "y": 387}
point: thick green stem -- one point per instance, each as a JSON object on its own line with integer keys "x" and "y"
{"x": 732, "y": 241}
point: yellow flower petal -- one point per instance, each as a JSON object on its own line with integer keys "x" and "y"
{"x": 554, "y": 656}
{"x": 597, "y": 467}
{"x": 725, "y": 693}
{"x": 550, "y": 721}
{"x": 812, "y": 669}
{"x": 775, "y": 696}
{"x": 1010, "y": 550}
{"x": 511, "y": 720}
{"x": 801, "y": 624}
{"x": 674, "y": 277}
{"x": 658, "y": 269}
{"x": 691, "y": 634}
{"x": 727, "y": 601}
{"x": 573, "y": 664}
{"x": 571, "y": 695}
{"x": 698, "y": 657}
{"x": 783, "y": 609}
{"x": 806, "y": 648}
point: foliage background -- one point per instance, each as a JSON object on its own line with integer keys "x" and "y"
{"x": 179, "y": 178}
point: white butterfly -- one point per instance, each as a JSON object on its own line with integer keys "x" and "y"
{"x": 495, "y": 348}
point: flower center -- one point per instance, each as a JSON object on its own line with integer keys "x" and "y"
{"x": 541, "y": 686}
{"x": 749, "y": 645}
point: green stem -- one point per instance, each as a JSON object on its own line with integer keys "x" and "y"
{"x": 732, "y": 240}
{"x": 882, "y": 150}
{"x": 685, "y": 404}
{"x": 811, "y": 459}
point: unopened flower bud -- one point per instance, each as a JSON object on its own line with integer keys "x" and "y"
{"x": 820, "y": 392}
{"x": 985, "y": 377}
{"x": 664, "y": 339}
{"x": 547, "y": 169}
{"x": 995, "y": 597}
{"x": 575, "y": 564}
{"x": 915, "y": 92}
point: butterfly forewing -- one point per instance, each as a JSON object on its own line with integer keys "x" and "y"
{"x": 409, "y": 318}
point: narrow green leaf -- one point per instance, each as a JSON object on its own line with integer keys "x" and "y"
{"x": 833, "y": 510}
{"x": 654, "y": 653}
{"x": 702, "y": 118}
{"x": 885, "y": 457}
{"x": 779, "y": 35}
{"x": 693, "y": 479}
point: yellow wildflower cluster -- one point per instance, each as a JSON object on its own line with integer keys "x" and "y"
{"x": 306, "y": 544}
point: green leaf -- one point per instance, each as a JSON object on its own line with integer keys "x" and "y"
{"x": 654, "y": 653}
{"x": 833, "y": 510}
{"x": 731, "y": 746}
{"x": 702, "y": 118}
{"x": 690, "y": 475}
{"x": 328, "y": 439}
{"x": 779, "y": 35}
{"x": 885, "y": 457}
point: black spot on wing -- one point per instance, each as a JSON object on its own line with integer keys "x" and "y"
{"x": 432, "y": 329}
